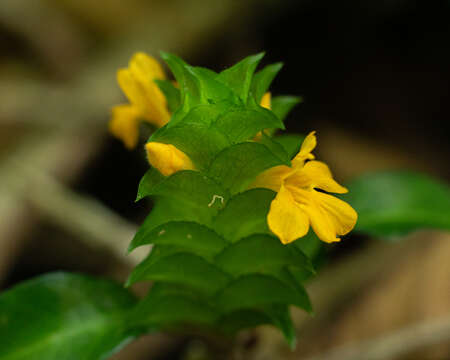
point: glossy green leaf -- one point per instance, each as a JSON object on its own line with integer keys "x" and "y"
{"x": 165, "y": 209}
{"x": 245, "y": 214}
{"x": 262, "y": 80}
{"x": 238, "y": 165}
{"x": 275, "y": 147}
{"x": 211, "y": 90}
{"x": 239, "y": 76}
{"x": 157, "y": 253}
{"x": 291, "y": 143}
{"x": 184, "y": 269}
{"x": 150, "y": 179}
{"x": 235, "y": 321}
{"x": 171, "y": 93}
{"x": 192, "y": 189}
{"x": 167, "y": 305}
{"x": 281, "y": 318}
{"x": 195, "y": 136}
{"x": 267, "y": 252}
{"x": 242, "y": 124}
{"x": 395, "y": 203}
{"x": 286, "y": 276}
{"x": 64, "y": 316}
{"x": 277, "y": 315}
{"x": 189, "y": 84}
{"x": 282, "y": 105}
{"x": 254, "y": 290}
{"x": 191, "y": 236}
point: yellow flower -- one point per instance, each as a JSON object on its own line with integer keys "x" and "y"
{"x": 167, "y": 158}
{"x": 147, "y": 102}
{"x": 298, "y": 204}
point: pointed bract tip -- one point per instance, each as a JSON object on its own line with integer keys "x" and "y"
{"x": 128, "y": 283}
{"x": 130, "y": 248}
{"x": 278, "y": 65}
{"x": 292, "y": 342}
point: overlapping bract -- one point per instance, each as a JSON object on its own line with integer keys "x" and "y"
{"x": 214, "y": 255}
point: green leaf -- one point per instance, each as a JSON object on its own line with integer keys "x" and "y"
{"x": 150, "y": 179}
{"x": 211, "y": 90}
{"x": 262, "y": 80}
{"x": 239, "y": 76}
{"x": 183, "y": 269}
{"x": 309, "y": 244}
{"x": 236, "y": 166}
{"x": 267, "y": 253}
{"x": 167, "y": 305}
{"x": 171, "y": 93}
{"x": 291, "y": 143}
{"x": 245, "y": 214}
{"x": 164, "y": 210}
{"x": 233, "y": 322}
{"x": 282, "y": 105}
{"x": 189, "y": 84}
{"x": 193, "y": 189}
{"x": 64, "y": 316}
{"x": 254, "y": 290}
{"x": 281, "y": 318}
{"x": 276, "y": 148}
{"x": 195, "y": 135}
{"x": 395, "y": 203}
{"x": 242, "y": 124}
{"x": 157, "y": 253}
{"x": 191, "y": 236}
{"x": 277, "y": 315}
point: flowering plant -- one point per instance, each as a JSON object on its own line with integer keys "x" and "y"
{"x": 230, "y": 229}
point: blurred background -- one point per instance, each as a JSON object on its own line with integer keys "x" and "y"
{"x": 374, "y": 76}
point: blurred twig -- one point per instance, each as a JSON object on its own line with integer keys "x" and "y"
{"x": 393, "y": 345}
{"x": 83, "y": 216}
{"x": 37, "y": 23}
{"x": 332, "y": 287}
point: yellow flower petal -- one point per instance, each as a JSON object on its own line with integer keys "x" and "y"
{"x": 271, "y": 178}
{"x": 299, "y": 179}
{"x": 330, "y": 217}
{"x": 322, "y": 178}
{"x": 145, "y": 69}
{"x": 308, "y": 145}
{"x": 167, "y": 158}
{"x": 137, "y": 82}
{"x": 266, "y": 101}
{"x": 124, "y": 124}
{"x": 286, "y": 219}
{"x": 148, "y": 65}
{"x": 132, "y": 89}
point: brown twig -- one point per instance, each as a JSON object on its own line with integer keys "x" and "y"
{"x": 393, "y": 345}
